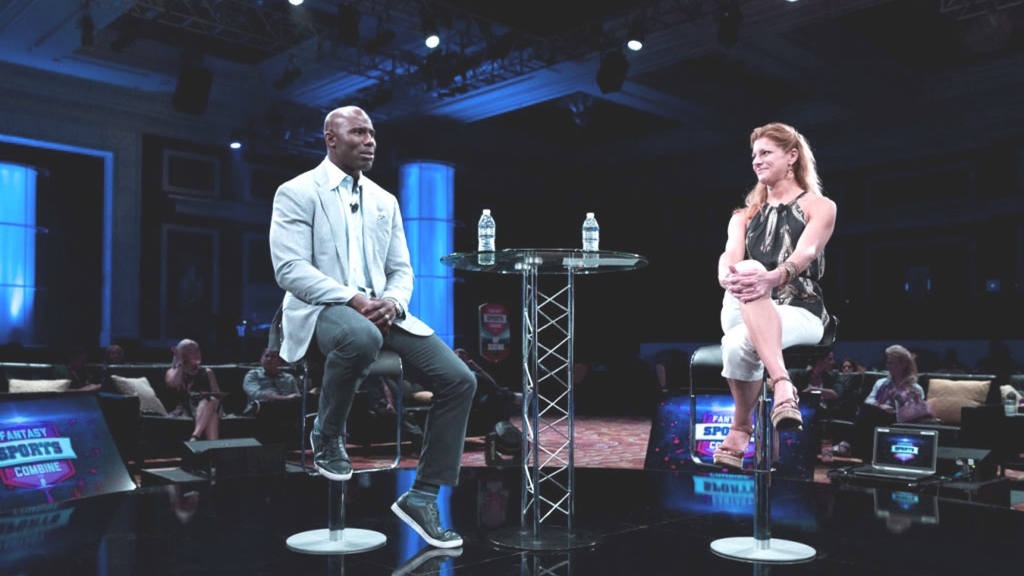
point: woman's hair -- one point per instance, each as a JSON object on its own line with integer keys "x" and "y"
{"x": 856, "y": 365}
{"x": 805, "y": 170}
{"x": 900, "y": 352}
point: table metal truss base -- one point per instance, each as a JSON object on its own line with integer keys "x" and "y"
{"x": 548, "y": 470}
{"x": 547, "y": 538}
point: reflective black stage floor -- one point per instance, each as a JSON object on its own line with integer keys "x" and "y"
{"x": 648, "y": 522}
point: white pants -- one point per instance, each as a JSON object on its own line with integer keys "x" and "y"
{"x": 739, "y": 358}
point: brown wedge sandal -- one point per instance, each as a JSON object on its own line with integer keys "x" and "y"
{"x": 729, "y": 457}
{"x": 786, "y": 414}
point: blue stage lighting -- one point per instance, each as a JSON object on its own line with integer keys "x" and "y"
{"x": 427, "y": 197}
{"x": 17, "y": 250}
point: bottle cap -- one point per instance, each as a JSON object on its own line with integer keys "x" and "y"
{"x": 590, "y": 214}
{"x": 486, "y": 211}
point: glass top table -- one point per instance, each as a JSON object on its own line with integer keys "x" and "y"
{"x": 548, "y": 490}
{"x": 544, "y": 261}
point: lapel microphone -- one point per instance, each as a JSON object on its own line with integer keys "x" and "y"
{"x": 356, "y": 190}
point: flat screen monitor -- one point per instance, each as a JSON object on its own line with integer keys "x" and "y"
{"x": 56, "y": 448}
{"x": 669, "y": 444}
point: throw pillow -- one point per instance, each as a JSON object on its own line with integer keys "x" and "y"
{"x": 16, "y": 386}
{"x": 947, "y": 397}
{"x": 148, "y": 402}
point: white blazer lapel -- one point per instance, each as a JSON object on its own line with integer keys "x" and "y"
{"x": 329, "y": 204}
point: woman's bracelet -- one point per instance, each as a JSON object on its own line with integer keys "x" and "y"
{"x": 786, "y": 275}
{"x": 791, "y": 272}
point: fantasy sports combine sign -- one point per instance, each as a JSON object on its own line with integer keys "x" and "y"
{"x": 35, "y": 455}
{"x": 712, "y": 429}
{"x": 495, "y": 336}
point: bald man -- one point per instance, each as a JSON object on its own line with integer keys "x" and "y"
{"x": 339, "y": 252}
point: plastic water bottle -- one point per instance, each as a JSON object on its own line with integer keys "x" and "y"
{"x": 1011, "y": 402}
{"x": 485, "y": 233}
{"x": 485, "y": 238}
{"x": 591, "y": 233}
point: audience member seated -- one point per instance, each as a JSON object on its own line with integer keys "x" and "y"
{"x": 380, "y": 401}
{"x": 493, "y": 403}
{"x": 850, "y": 365}
{"x": 895, "y": 395}
{"x": 75, "y": 371}
{"x": 196, "y": 388}
{"x": 113, "y": 357}
{"x": 266, "y": 386}
{"x": 837, "y": 397}
{"x": 274, "y": 398}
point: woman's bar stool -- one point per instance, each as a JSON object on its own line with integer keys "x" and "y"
{"x": 761, "y": 547}
{"x": 336, "y": 538}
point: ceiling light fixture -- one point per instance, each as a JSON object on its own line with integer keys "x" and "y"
{"x": 637, "y": 35}
{"x": 431, "y": 36}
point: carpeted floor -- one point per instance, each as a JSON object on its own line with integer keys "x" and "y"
{"x": 600, "y": 442}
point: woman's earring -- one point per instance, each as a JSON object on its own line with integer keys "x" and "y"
{"x": 790, "y": 173}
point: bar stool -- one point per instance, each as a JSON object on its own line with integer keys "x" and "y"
{"x": 761, "y": 547}
{"x": 336, "y": 538}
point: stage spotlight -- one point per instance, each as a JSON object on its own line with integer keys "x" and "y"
{"x": 637, "y": 35}
{"x": 235, "y": 145}
{"x": 431, "y": 35}
{"x": 728, "y": 16}
{"x": 612, "y": 72}
{"x": 88, "y": 29}
{"x": 348, "y": 25}
{"x": 295, "y": 2}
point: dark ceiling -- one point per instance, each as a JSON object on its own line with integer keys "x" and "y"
{"x": 529, "y": 67}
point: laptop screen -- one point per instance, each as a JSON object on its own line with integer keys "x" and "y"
{"x": 906, "y": 450}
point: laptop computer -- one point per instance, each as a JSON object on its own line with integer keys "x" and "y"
{"x": 902, "y": 454}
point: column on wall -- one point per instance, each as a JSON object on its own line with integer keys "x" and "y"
{"x": 427, "y": 198}
{"x": 17, "y": 252}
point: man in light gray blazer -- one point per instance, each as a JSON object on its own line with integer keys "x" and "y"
{"x": 339, "y": 252}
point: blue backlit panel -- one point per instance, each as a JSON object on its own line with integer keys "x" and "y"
{"x": 427, "y": 198}
{"x": 17, "y": 251}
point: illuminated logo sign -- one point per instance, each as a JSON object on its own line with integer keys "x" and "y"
{"x": 712, "y": 430}
{"x": 34, "y": 455}
{"x": 904, "y": 451}
{"x": 495, "y": 337}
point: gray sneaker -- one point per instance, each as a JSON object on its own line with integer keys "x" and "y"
{"x": 425, "y": 519}
{"x": 330, "y": 457}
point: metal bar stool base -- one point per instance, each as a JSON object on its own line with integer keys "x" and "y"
{"x": 774, "y": 550}
{"x": 327, "y": 541}
{"x": 551, "y": 538}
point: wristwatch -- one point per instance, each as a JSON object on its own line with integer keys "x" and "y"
{"x": 399, "y": 311}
